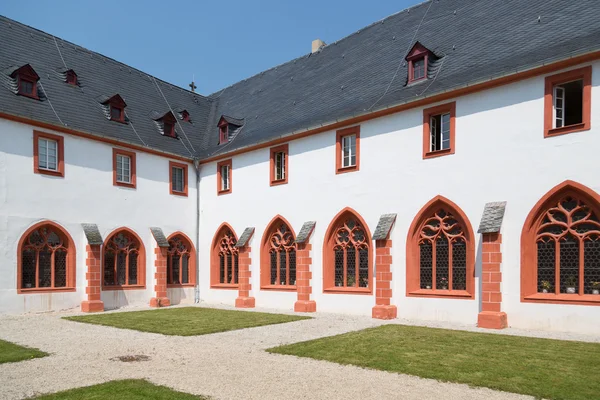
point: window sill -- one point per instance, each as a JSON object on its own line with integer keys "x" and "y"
{"x": 278, "y": 288}
{"x": 438, "y": 293}
{"x": 125, "y": 184}
{"x": 567, "y": 129}
{"x": 50, "y": 172}
{"x": 563, "y": 298}
{"x": 119, "y": 121}
{"x": 45, "y": 290}
{"x": 438, "y": 153}
{"x": 31, "y": 96}
{"x": 279, "y": 182}
{"x": 347, "y": 290}
{"x": 230, "y": 286}
{"x": 176, "y": 193}
{"x": 343, "y": 170}
{"x": 180, "y": 285}
{"x": 124, "y": 287}
{"x": 222, "y": 192}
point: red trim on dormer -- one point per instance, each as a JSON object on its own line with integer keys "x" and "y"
{"x": 223, "y": 131}
{"x": 71, "y": 77}
{"x": 26, "y": 74}
{"x": 168, "y": 121}
{"x": 417, "y": 53}
{"x": 116, "y": 102}
{"x": 185, "y": 116}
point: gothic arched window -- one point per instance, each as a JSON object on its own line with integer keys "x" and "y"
{"x": 225, "y": 258}
{"x": 181, "y": 261}
{"x": 278, "y": 258}
{"x": 123, "y": 260}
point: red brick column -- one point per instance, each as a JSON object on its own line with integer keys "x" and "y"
{"x": 161, "y": 299}
{"x": 491, "y": 316}
{"x": 383, "y": 281}
{"x": 244, "y": 300}
{"x": 303, "y": 277}
{"x": 94, "y": 270}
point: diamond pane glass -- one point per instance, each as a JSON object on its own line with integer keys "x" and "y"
{"x": 459, "y": 265}
{"x": 45, "y": 265}
{"x": 175, "y": 267}
{"x": 235, "y": 268}
{"x": 546, "y": 256}
{"x": 363, "y": 269}
{"x": 28, "y": 269}
{"x": 569, "y": 265}
{"x": 273, "y": 258}
{"x": 282, "y": 268}
{"x": 121, "y": 268}
{"x": 60, "y": 268}
{"x": 292, "y": 258}
{"x": 169, "y": 270}
{"x": 426, "y": 263}
{"x": 222, "y": 268}
{"x": 441, "y": 263}
{"x": 351, "y": 267}
{"x": 109, "y": 268}
{"x": 591, "y": 268}
{"x": 339, "y": 267}
{"x": 185, "y": 269}
{"x": 229, "y": 268}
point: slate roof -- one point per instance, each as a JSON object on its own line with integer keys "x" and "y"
{"x": 473, "y": 41}
{"x": 493, "y": 215}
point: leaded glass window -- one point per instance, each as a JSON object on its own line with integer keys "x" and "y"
{"x": 121, "y": 255}
{"x": 351, "y": 255}
{"x": 443, "y": 253}
{"x": 282, "y": 257}
{"x": 44, "y": 259}
{"x": 228, "y": 258}
{"x": 178, "y": 261}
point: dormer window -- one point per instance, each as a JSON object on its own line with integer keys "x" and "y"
{"x": 169, "y": 129}
{"x": 228, "y": 128}
{"x": 185, "y": 116}
{"x": 71, "y": 77}
{"x": 27, "y": 80}
{"x": 418, "y": 61}
{"x": 116, "y": 108}
{"x": 223, "y": 132}
{"x": 167, "y": 123}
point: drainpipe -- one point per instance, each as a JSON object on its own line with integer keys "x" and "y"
{"x": 197, "y": 288}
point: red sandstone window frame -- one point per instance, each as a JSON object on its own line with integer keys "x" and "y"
{"x": 223, "y": 132}
{"x": 284, "y": 148}
{"x": 132, "y": 168}
{"x": 428, "y": 113}
{"x": 584, "y": 74}
{"x": 339, "y": 135}
{"x": 215, "y": 281}
{"x": 60, "y": 157}
{"x": 220, "y": 190}
{"x": 273, "y": 240}
{"x": 141, "y": 262}
{"x": 529, "y": 278}
{"x": 413, "y": 267}
{"x": 71, "y": 77}
{"x": 329, "y": 254}
{"x": 71, "y": 261}
{"x": 120, "y": 110}
{"x": 184, "y": 167}
{"x": 417, "y": 53}
{"x": 191, "y": 261}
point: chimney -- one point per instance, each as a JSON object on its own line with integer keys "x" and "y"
{"x": 317, "y": 44}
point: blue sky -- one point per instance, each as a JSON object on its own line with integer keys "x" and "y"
{"x": 220, "y": 42}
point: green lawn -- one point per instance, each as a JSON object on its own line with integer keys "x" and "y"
{"x": 551, "y": 369}
{"x": 131, "y": 389}
{"x": 10, "y": 352}
{"x": 186, "y": 321}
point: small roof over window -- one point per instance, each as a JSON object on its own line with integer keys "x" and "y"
{"x": 27, "y": 80}
{"x": 116, "y": 107}
{"x": 166, "y": 123}
{"x": 419, "y": 59}
{"x": 71, "y": 77}
{"x": 228, "y": 128}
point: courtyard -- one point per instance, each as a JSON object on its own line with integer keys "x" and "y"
{"x": 237, "y": 364}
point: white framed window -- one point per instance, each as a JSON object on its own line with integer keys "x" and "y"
{"x": 568, "y": 104}
{"x": 48, "y": 154}
{"x": 225, "y": 177}
{"x": 177, "y": 180}
{"x": 279, "y": 166}
{"x": 123, "y": 168}
{"x": 348, "y": 151}
{"x": 439, "y": 130}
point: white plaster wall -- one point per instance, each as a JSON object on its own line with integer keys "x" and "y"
{"x": 85, "y": 194}
{"x": 501, "y": 154}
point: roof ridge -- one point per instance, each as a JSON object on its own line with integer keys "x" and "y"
{"x": 43, "y": 33}
{"x": 220, "y": 91}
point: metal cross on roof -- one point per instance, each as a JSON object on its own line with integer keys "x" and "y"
{"x": 193, "y": 86}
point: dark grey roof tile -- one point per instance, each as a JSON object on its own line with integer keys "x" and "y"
{"x": 305, "y": 232}
{"x": 493, "y": 215}
{"x": 385, "y": 224}
{"x": 159, "y": 236}
{"x": 92, "y": 234}
{"x": 245, "y": 238}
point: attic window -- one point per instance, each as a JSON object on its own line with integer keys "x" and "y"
{"x": 116, "y": 107}
{"x": 223, "y": 133}
{"x": 418, "y": 61}
{"x": 27, "y": 80}
{"x": 228, "y": 127}
{"x": 167, "y": 123}
{"x": 169, "y": 128}
{"x": 71, "y": 77}
{"x": 185, "y": 116}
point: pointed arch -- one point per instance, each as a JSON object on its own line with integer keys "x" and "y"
{"x": 46, "y": 259}
{"x": 181, "y": 261}
{"x": 560, "y": 247}
{"x": 348, "y": 255}
{"x": 123, "y": 261}
{"x": 278, "y": 256}
{"x": 440, "y": 252}
{"x": 224, "y": 258}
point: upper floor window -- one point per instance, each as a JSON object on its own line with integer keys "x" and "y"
{"x": 418, "y": 59}
{"x": 48, "y": 154}
{"x": 124, "y": 168}
{"x": 181, "y": 262}
{"x": 561, "y": 247}
{"x": 224, "y": 177}
{"x": 348, "y": 149}
{"x": 71, "y": 77}
{"x": 279, "y": 165}
{"x": 567, "y": 102}
{"x": 178, "y": 178}
{"x": 116, "y": 108}
{"x": 439, "y": 130}
{"x": 27, "y": 80}
{"x": 124, "y": 260}
{"x": 228, "y": 127}
{"x": 440, "y": 260}
{"x": 224, "y": 258}
{"x": 185, "y": 116}
{"x": 46, "y": 259}
{"x": 347, "y": 254}
{"x": 223, "y": 133}
{"x": 278, "y": 257}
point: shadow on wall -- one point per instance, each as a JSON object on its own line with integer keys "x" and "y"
{"x": 478, "y": 272}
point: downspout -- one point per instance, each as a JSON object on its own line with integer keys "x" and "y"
{"x": 197, "y": 288}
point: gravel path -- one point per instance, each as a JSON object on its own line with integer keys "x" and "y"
{"x": 228, "y": 365}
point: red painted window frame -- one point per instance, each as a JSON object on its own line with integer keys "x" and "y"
{"x": 185, "y": 116}
{"x": 413, "y": 267}
{"x": 220, "y": 190}
{"x": 71, "y": 77}
{"x": 214, "y": 259}
{"x": 427, "y": 114}
{"x": 584, "y": 73}
{"x": 417, "y": 53}
{"x": 71, "y": 267}
{"x": 185, "y": 178}
{"x": 265, "y": 259}
{"x": 284, "y": 148}
{"x": 191, "y": 262}
{"x": 121, "y": 110}
{"x": 141, "y": 262}
{"x": 353, "y": 130}
{"x": 529, "y": 277}
{"x": 33, "y": 81}
{"x": 223, "y": 132}
{"x": 131, "y": 156}
{"x": 60, "y": 146}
